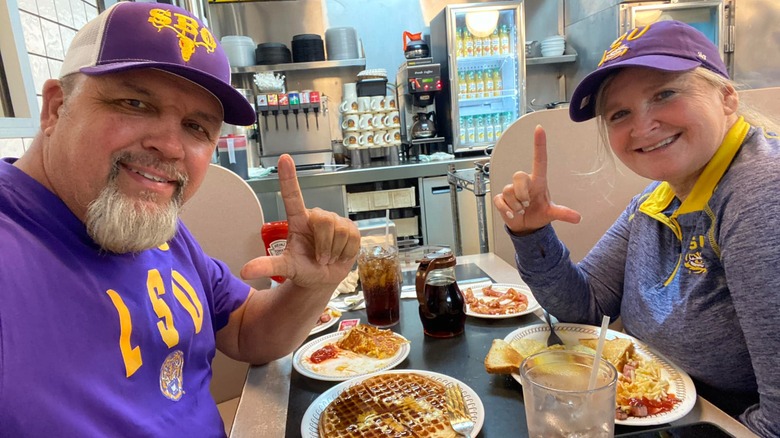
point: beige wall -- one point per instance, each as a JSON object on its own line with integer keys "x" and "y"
{"x": 48, "y": 26}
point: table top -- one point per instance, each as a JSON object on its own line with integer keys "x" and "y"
{"x": 275, "y": 396}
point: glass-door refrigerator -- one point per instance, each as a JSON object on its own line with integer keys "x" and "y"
{"x": 481, "y": 49}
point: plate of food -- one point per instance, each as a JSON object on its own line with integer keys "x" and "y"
{"x": 361, "y": 350}
{"x": 651, "y": 390}
{"x": 328, "y": 317}
{"x": 499, "y": 300}
{"x": 397, "y": 400}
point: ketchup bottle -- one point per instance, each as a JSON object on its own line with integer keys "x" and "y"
{"x": 274, "y": 236}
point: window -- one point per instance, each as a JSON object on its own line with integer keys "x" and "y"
{"x": 18, "y": 104}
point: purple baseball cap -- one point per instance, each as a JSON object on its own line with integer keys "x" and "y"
{"x": 130, "y": 35}
{"x": 663, "y": 45}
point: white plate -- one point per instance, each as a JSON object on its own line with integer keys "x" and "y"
{"x": 311, "y": 419}
{"x": 359, "y": 365}
{"x": 333, "y": 320}
{"x": 680, "y": 384}
{"x": 477, "y": 289}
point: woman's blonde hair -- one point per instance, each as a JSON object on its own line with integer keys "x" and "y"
{"x": 750, "y": 114}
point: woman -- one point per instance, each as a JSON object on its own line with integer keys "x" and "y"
{"x": 691, "y": 264}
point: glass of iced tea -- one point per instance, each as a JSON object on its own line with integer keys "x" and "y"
{"x": 557, "y": 400}
{"x": 380, "y": 275}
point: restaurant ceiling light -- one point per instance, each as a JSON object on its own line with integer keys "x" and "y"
{"x": 481, "y": 23}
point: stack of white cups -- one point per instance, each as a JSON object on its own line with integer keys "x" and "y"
{"x": 370, "y": 125}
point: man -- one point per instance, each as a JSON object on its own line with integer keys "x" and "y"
{"x": 109, "y": 310}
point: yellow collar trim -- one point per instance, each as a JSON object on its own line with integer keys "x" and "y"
{"x": 663, "y": 195}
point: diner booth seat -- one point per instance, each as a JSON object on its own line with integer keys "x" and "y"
{"x": 225, "y": 217}
{"x": 581, "y": 173}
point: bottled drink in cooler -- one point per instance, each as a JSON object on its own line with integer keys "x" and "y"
{"x": 463, "y": 87}
{"x": 498, "y": 83}
{"x": 495, "y": 43}
{"x": 471, "y": 136}
{"x": 477, "y": 46}
{"x": 480, "y": 82}
{"x": 506, "y": 120}
{"x": 490, "y": 134}
{"x": 497, "y": 128}
{"x": 489, "y": 84}
{"x": 503, "y": 35}
{"x": 462, "y": 134}
{"x": 480, "y": 129}
{"x": 459, "y": 42}
{"x": 471, "y": 85}
{"x": 468, "y": 44}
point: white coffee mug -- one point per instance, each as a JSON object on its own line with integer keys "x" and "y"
{"x": 392, "y": 120}
{"x": 349, "y": 106}
{"x": 390, "y": 103}
{"x": 394, "y": 136}
{"x": 350, "y": 91}
{"x": 366, "y": 138}
{"x": 366, "y": 121}
{"x": 351, "y": 138}
{"x": 380, "y": 137}
{"x": 350, "y": 121}
{"x": 377, "y": 103}
{"x": 377, "y": 122}
{"x": 364, "y": 104}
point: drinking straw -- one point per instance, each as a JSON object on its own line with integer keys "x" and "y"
{"x": 387, "y": 226}
{"x": 599, "y": 348}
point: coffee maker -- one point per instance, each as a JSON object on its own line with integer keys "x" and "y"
{"x": 417, "y": 83}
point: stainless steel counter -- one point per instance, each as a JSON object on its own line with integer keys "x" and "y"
{"x": 320, "y": 178}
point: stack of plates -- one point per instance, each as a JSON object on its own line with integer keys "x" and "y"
{"x": 553, "y": 46}
{"x": 373, "y": 73}
{"x": 342, "y": 43}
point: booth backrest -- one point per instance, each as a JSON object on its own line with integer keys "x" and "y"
{"x": 572, "y": 150}
{"x": 225, "y": 217}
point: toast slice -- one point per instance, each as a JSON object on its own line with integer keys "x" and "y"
{"x": 527, "y": 347}
{"x": 616, "y": 351}
{"x": 502, "y": 358}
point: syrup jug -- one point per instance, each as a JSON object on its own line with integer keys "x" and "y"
{"x": 442, "y": 306}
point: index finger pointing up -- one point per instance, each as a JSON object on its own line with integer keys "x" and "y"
{"x": 540, "y": 152}
{"x": 288, "y": 186}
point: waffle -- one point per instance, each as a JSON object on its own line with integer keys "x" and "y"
{"x": 388, "y": 405}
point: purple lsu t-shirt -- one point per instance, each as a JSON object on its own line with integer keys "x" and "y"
{"x": 98, "y": 344}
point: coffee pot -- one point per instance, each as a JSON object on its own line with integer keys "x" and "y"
{"x": 442, "y": 306}
{"x": 414, "y": 46}
{"x": 424, "y": 125}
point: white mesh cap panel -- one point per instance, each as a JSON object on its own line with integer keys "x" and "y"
{"x": 85, "y": 47}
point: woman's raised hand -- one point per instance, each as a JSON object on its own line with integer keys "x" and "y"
{"x": 525, "y": 205}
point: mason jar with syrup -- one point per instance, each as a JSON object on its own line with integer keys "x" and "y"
{"x": 442, "y": 306}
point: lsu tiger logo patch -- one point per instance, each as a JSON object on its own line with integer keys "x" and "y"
{"x": 172, "y": 376}
{"x": 694, "y": 262}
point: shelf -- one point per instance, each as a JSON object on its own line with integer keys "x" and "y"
{"x": 566, "y": 57}
{"x": 291, "y": 66}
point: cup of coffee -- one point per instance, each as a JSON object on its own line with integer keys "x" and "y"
{"x": 380, "y": 274}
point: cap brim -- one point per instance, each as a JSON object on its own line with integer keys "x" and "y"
{"x": 236, "y": 108}
{"x": 583, "y": 100}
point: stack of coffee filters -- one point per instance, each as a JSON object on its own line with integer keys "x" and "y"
{"x": 370, "y": 126}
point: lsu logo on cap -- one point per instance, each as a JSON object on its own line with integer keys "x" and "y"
{"x": 618, "y": 48}
{"x": 190, "y": 34}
